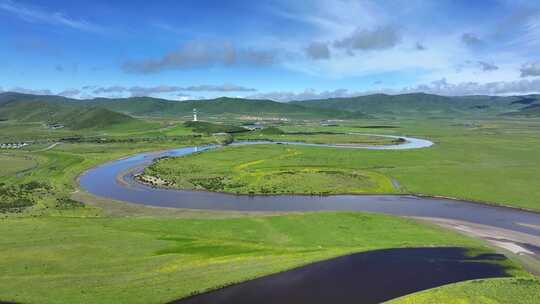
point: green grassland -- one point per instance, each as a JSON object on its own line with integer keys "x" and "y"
{"x": 492, "y": 161}
{"x": 210, "y": 128}
{"x": 56, "y": 250}
{"x": 154, "y": 260}
{"x": 492, "y": 291}
{"x": 316, "y": 137}
{"x": 57, "y": 170}
{"x": 12, "y": 164}
{"x": 15, "y": 131}
{"x": 269, "y": 169}
{"x": 72, "y": 115}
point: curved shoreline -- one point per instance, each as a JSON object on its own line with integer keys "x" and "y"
{"x": 125, "y": 179}
{"x": 408, "y": 144}
{"x": 352, "y": 278}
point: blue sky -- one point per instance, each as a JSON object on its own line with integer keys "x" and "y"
{"x": 281, "y": 50}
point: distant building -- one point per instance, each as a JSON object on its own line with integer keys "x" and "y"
{"x": 13, "y": 145}
{"x": 329, "y": 123}
{"x": 55, "y": 126}
{"x": 255, "y": 126}
{"x": 248, "y": 117}
{"x": 195, "y": 115}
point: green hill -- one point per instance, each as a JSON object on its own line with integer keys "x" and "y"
{"x": 421, "y": 104}
{"x": 532, "y": 110}
{"x": 8, "y": 97}
{"x": 97, "y": 118}
{"x": 148, "y": 106}
{"x": 58, "y": 110}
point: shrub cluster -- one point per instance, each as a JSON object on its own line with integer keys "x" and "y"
{"x": 209, "y": 183}
{"x": 15, "y": 198}
{"x": 67, "y": 203}
{"x": 210, "y": 128}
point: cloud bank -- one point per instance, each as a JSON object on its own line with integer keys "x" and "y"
{"x": 152, "y": 91}
{"x": 318, "y": 50}
{"x": 530, "y": 69}
{"x": 379, "y": 38}
{"x": 439, "y": 87}
{"x": 201, "y": 55}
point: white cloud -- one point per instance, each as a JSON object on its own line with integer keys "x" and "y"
{"x": 32, "y": 91}
{"x": 217, "y": 88}
{"x": 163, "y": 89}
{"x": 196, "y": 54}
{"x": 307, "y": 94}
{"x": 419, "y": 46}
{"x": 439, "y": 87}
{"x": 107, "y": 90}
{"x": 69, "y": 93}
{"x": 442, "y": 87}
{"x": 39, "y": 15}
{"x": 318, "y": 50}
{"x": 471, "y": 39}
{"x": 486, "y": 66}
{"x": 379, "y": 38}
{"x": 530, "y": 69}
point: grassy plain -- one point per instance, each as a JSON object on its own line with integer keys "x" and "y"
{"x": 157, "y": 259}
{"x": 270, "y": 169}
{"x": 492, "y": 291}
{"x": 318, "y": 138}
{"x": 11, "y": 164}
{"x": 58, "y": 165}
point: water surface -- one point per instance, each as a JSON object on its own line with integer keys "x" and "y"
{"x": 368, "y": 277}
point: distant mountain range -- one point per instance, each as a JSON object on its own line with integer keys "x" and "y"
{"x": 145, "y": 106}
{"x": 103, "y": 112}
{"x": 420, "y": 104}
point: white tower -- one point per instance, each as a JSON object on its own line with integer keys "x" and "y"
{"x": 194, "y": 114}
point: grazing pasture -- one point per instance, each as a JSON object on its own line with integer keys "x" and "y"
{"x": 12, "y": 164}
{"x": 159, "y": 259}
{"x": 492, "y": 291}
{"x": 104, "y": 250}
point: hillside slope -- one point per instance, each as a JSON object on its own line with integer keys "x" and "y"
{"x": 59, "y": 111}
{"x": 531, "y": 110}
{"x": 148, "y": 106}
{"x": 420, "y": 104}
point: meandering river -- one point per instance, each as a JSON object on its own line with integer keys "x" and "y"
{"x": 104, "y": 181}
{"x": 116, "y": 180}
